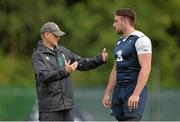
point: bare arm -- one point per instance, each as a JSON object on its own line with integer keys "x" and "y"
{"x": 145, "y": 63}
{"x": 110, "y": 87}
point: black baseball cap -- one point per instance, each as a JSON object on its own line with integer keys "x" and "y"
{"x": 53, "y": 28}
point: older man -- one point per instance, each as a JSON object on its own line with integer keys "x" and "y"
{"x": 53, "y": 65}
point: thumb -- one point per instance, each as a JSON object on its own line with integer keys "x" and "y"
{"x": 104, "y": 50}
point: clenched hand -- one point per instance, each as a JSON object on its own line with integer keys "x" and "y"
{"x": 106, "y": 100}
{"x": 71, "y": 67}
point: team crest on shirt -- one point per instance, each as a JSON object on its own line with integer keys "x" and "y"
{"x": 47, "y": 58}
{"x": 119, "y": 56}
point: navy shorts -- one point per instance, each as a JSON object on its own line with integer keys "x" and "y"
{"x": 120, "y": 98}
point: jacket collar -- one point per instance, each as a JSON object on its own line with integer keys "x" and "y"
{"x": 44, "y": 49}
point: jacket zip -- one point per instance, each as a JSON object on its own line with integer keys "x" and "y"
{"x": 60, "y": 63}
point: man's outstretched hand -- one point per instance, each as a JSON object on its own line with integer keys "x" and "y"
{"x": 105, "y": 55}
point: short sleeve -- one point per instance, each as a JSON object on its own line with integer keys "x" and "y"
{"x": 143, "y": 45}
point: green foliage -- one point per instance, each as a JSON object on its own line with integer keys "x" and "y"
{"x": 16, "y": 71}
{"x": 88, "y": 25}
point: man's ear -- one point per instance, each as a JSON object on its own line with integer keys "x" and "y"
{"x": 46, "y": 35}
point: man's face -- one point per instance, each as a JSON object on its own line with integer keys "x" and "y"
{"x": 52, "y": 39}
{"x": 119, "y": 24}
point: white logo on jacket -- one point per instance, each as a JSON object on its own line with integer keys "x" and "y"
{"x": 47, "y": 58}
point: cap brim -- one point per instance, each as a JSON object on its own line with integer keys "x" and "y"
{"x": 59, "y": 33}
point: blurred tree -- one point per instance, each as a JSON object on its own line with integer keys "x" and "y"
{"x": 88, "y": 25}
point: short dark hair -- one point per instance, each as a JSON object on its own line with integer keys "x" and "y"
{"x": 127, "y": 12}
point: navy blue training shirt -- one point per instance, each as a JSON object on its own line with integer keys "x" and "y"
{"x": 126, "y": 55}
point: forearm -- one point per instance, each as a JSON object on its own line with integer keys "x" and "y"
{"x": 142, "y": 80}
{"x": 110, "y": 85}
{"x": 90, "y": 63}
{"x": 50, "y": 76}
{"x": 111, "y": 82}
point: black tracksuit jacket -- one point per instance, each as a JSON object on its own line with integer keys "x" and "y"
{"x": 53, "y": 83}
